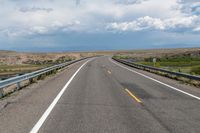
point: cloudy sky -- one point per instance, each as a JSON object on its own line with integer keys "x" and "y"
{"x": 83, "y": 25}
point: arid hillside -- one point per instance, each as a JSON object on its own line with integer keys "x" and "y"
{"x": 12, "y": 63}
{"x": 142, "y": 54}
{"x": 13, "y": 58}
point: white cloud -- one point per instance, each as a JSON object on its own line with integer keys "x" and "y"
{"x": 149, "y": 23}
{"x": 39, "y": 29}
{"x": 189, "y": 7}
{"x": 44, "y": 16}
{"x": 54, "y": 27}
{"x": 35, "y": 9}
{"x": 50, "y": 21}
{"x": 129, "y": 2}
{"x": 197, "y": 29}
{"x": 15, "y": 32}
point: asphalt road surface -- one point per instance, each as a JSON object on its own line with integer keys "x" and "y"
{"x": 101, "y": 96}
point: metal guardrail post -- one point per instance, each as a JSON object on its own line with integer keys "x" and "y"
{"x": 31, "y": 80}
{"x": 1, "y": 93}
{"x": 18, "y": 84}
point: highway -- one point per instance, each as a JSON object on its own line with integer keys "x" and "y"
{"x": 100, "y": 95}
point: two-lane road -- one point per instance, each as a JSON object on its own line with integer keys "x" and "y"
{"x": 102, "y": 96}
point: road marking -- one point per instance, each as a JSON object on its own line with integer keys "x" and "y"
{"x": 133, "y": 96}
{"x": 37, "y": 126}
{"x": 174, "y": 88}
{"x": 109, "y": 72}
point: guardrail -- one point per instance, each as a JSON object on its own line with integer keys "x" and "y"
{"x": 149, "y": 68}
{"x": 29, "y": 76}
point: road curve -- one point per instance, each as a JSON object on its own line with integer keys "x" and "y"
{"x": 103, "y": 97}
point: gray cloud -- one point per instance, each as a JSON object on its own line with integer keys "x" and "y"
{"x": 98, "y": 21}
{"x": 98, "y": 16}
{"x": 188, "y": 1}
{"x": 129, "y": 2}
{"x": 78, "y": 2}
{"x": 35, "y": 9}
{"x": 195, "y": 8}
{"x": 189, "y": 7}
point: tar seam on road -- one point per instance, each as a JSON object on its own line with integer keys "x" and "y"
{"x": 37, "y": 126}
{"x": 133, "y": 96}
{"x": 186, "y": 93}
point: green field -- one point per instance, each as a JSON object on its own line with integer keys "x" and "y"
{"x": 190, "y": 65}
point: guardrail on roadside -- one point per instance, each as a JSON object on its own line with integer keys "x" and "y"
{"x": 149, "y": 68}
{"x": 29, "y": 76}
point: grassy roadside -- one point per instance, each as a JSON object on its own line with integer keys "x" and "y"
{"x": 9, "y": 90}
{"x": 190, "y": 65}
{"x": 15, "y": 69}
{"x": 183, "y": 64}
{"x": 186, "y": 64}
{"x": 30, "y": 65}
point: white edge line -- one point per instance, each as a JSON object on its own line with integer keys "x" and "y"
{"x": 37, "y": 126}
{"x": 186, "y": 93}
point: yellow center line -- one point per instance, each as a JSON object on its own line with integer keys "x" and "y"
{"x": 133, "y": 96}
{"x": 109, "y": 72}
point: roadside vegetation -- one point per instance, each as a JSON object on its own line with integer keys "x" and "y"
{"x": 7, "y": 70}
{"x": 183, "y": 64}
{"x": 11, "y": 70}
{"x": 180, "y": 63}
{"x": 121, "y": 56}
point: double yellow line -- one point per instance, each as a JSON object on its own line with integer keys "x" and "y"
{"x": 129, "y": 92}
{"x": 133, "y": 96}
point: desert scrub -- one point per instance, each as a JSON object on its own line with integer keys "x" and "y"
{"x": 195, "y": 70}
{"x": 121, "y": 57}
{"x": 13, "y": 69}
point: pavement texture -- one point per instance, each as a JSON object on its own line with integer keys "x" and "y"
{"x": 103, "y": 98}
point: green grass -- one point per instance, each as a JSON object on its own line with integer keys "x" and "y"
{"x": 190, "y": 67}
